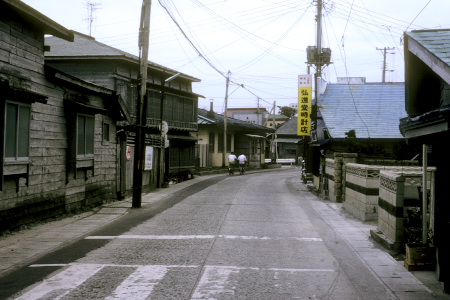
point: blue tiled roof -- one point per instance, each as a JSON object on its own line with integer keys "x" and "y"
{"x": 435, "y": 41}
{"x": 373, "y": 110}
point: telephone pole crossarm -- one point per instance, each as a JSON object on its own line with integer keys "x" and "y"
{"x": 385, "y": 49}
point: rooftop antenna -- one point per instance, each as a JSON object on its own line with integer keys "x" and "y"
{"x": 91, "y": 8}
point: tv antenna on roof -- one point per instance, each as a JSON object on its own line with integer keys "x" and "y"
{"x": 91, "y": 8}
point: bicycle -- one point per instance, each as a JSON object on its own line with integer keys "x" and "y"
{"x": 241, "y": 169}
{"x": 231, "y": 169}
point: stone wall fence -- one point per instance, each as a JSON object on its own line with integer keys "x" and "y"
{"x": 398, "y": 191}
{"x": 334, "y": 174}
{"x": 362, "y": 184}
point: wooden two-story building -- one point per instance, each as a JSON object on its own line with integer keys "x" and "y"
{"x": 58, "y": 133}
{"x": 114, "y": 69}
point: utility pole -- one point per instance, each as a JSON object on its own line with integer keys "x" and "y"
{"x": 274, "y": 135}
{"x": 319, "y": 57}
{"x": 224, "y": 154}
{"x": 141, "y": 115}
{"x": 385, "y": 49}
{"x": 318, "y": 63}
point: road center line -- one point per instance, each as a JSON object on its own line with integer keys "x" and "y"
{"x": 187, "y": 237}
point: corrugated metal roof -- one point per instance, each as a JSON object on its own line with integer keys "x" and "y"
{"x": 373, "y": 110}
{"x": 435, "y": 41}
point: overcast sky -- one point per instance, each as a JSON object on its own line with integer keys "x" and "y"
{"x": 261, "y": 42}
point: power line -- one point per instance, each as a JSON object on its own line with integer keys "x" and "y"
{"x": 190, "y": 42}
{"x": 417, "y": 15}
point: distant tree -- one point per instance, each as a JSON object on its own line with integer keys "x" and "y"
{"x": 287, "y": 111}
{"x": 351, "y": 133}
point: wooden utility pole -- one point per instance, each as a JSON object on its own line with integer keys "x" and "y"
{"x": 224, "y": 154}
{"x": 319, "y": 64}
{"x": 274, "y": 135}
{"x": 139, "y": 149}
{"x": 385, "y": 49}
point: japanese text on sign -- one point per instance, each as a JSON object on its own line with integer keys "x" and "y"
{"x": 304, "y": 104}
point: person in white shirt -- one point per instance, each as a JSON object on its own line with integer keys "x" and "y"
{"x": 242, "y": 160}
{"x": 231, "y": 162}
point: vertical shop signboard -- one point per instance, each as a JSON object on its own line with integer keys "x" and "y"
{"x": 304, "y": 104}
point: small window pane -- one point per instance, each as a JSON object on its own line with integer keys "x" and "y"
{"x": 11, "y": 130}
{"x": 211, "y": 141}
{"x": 89, "y": 135}
{"x": 80, "y": 135}
{"x": 220, "y": 143}
{"x": 24, "y": 131}
{"x": 106, "y": 132}
{"x": 228, "y": 142}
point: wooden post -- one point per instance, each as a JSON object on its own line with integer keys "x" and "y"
{"x": 139, "y": 152}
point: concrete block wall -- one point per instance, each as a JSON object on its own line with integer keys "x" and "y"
{"x": 334, "y": 174}
{"x": 361, "y": 191}
{"x": 330, "y": 177}
{"x": 398, "y": 190}
{"x": 391, "y": 203}
{"x": 362, "y": 188}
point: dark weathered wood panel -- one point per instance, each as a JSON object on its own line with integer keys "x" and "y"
{"x": 48, "y": 193}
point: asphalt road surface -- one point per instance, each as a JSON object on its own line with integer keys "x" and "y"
{"x": 255, "y": 236}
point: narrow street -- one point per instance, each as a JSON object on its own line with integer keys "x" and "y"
{"x": 257, "y": 236}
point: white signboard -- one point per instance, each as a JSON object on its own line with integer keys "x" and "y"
{"x": 148, "y": 158}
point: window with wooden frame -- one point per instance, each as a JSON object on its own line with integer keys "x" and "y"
{"x": 212, "y": 137}
{"x": 105, "y": 132}
{"x": 80, "y": 122}
{"x": 85, "y": 136}
{"x": 15, "y": 109}
{"x": 17, "y": 132}
{"x": 220, "y": 143}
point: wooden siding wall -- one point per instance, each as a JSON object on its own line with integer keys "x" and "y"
{"x": 179, "y": 111}
{"x": 48, "y": 194}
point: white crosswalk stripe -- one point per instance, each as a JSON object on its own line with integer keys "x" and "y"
{"x": 213, "y": 282}
{"x": 141, "y": 283}
{"x": 62, "y": 283}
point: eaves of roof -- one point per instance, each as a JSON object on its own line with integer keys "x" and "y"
{"x": 431, "y": 122}
{"x": 432, "y": 46}
{"x": 117, "y": 105}
{"x": 205, "y": 121}
{"x": 39, "y": 20}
